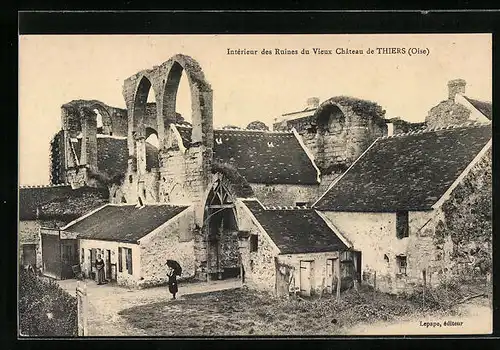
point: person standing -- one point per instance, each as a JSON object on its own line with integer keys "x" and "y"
{"x": 99, "y": 264}
{"x": 172, "y": 281}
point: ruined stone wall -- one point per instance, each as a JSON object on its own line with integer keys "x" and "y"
{"x": 285, "y": 195}
{"x": 335, "y": 148}
{"x": 464, "y": 223}
{"x": 447, "y": 113}
{"x": 259, "y": 267}
{"x": 123, "y": 278}
{"x": 118, "y": 122}
{"x": 174, "y": 241}
{"x": 77, "y": 176}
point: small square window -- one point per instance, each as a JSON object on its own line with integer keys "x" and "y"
{"x": 254, "y": 243}
{"x": 402, "y": 264}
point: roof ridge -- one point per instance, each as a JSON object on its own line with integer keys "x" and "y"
{"x": 286, "y": 207}
{"x": 467, "y": 124}
{"x": 45, "y": 186}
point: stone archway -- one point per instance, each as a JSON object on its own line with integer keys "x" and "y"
{"x": 220, "y": 229}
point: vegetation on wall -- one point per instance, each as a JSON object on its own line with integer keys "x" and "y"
{"x": 240, "y": 184}
{"x": 56, "y": 168}
{"x": 44, "y": 308}
{"x": 363, "y": 108}
{"x": 468, "y": 219}
{"x": 257, "y": 125}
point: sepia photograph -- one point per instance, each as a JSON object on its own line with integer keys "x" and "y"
{"x": 255, "y": 185}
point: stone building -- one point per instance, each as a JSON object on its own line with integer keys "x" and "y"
{"x": 209, "y": 193}
{"x": 458, "y": 108}
{"x": 134, "y": 241}
{"x": 293, "y": 249}
{"x": 423, "y": 216}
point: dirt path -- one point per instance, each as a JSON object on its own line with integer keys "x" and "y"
{"x": 472, "y": 318}
{"x": 107, "y": 300}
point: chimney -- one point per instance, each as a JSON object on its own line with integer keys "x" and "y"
{"x": 312, "y": 102}
{"x": 456, "y": 86}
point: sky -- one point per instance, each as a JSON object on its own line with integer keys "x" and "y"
{"x": 54, "y": 70}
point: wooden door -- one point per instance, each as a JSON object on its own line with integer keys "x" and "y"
{"x": 29, "y": 254}
{"x": 108, "y": 264}
{"x": 330, "y": 275}
{"x": 305, "y": 278}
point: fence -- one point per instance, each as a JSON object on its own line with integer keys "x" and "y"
{"x": 82, "y": 299}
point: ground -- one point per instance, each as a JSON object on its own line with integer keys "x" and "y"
{"x": 226, "y": 308}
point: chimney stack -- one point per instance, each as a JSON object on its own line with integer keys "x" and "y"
{"x": 456, "y": 86}
{"x": 312, "y": 102}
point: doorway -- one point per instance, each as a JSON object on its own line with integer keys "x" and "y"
{"x": 29, "y": 254}
{"x": 108, "y": 264}
{"x": 331, "y": 275}
{"x": 306, "y": 277}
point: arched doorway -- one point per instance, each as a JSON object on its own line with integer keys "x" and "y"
{"x": 221, "y": 229}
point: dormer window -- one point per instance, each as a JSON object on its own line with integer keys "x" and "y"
{"x": 270, "y": 144}
{"x": 218, "y": 141}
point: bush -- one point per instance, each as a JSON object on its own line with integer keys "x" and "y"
{"x": 45, "y": 309}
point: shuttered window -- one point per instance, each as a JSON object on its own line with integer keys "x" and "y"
{"x": 120, "y": 260}
{"x": 129, "y": 260}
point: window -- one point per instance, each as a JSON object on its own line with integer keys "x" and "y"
{"x": 345, "y": 256}
{"x": 82, "y": 259}
{"x": 120, "y": 260}
{"x": 402, "y": 264}
{"x": 402, "y": 228}
{"x": 254, "y": 243}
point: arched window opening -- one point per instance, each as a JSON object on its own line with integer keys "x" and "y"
{"x": 177, "y": 106}
{"x": 152, "y": 145}
{"x": 330, "y": 119}
{"x": 99, "y": 121}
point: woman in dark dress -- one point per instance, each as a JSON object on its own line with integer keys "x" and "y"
{"x": 99, "y": 264}
{"x": 172, "y": 282}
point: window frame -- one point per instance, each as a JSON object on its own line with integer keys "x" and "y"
{"x": 399, "y": 260}
{"x": 120, "y": 259}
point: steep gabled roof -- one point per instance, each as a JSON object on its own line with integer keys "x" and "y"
{"x": 406, "y": 172}
{"x": 484, "y": 107}
{"x": 261, "y": 156}
{"x": 124, "y": 223}
{"x": 296, "y": 230}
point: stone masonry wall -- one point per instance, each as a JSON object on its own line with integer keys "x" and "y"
{"x": 259, "y": 266}
{"x": 175, "y": 241}
{"x": 285, "y": 195}
{"x": 335, "y": 148}
{"x": 447, "y": 113}
{"x": 29, "y": 234}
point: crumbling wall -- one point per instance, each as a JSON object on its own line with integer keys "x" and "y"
{"x": 466, "y": 222}
{"x": 259, "y": 267}
{"x": 285, "y": 195}
{"x": 447, "y": 113}
{"x": 341, "y": 129}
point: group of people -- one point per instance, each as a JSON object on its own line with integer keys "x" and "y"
{"x": 171, "y": 276}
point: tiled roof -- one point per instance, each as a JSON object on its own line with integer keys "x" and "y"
{"x": 52, "y": 200}
{"x": 250, "y": 153}
{"x": 296, "y": 230}
{"x": 406, "y": 172}
{"x": 124, "y": 223}
{"x": 483, "y": 107}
